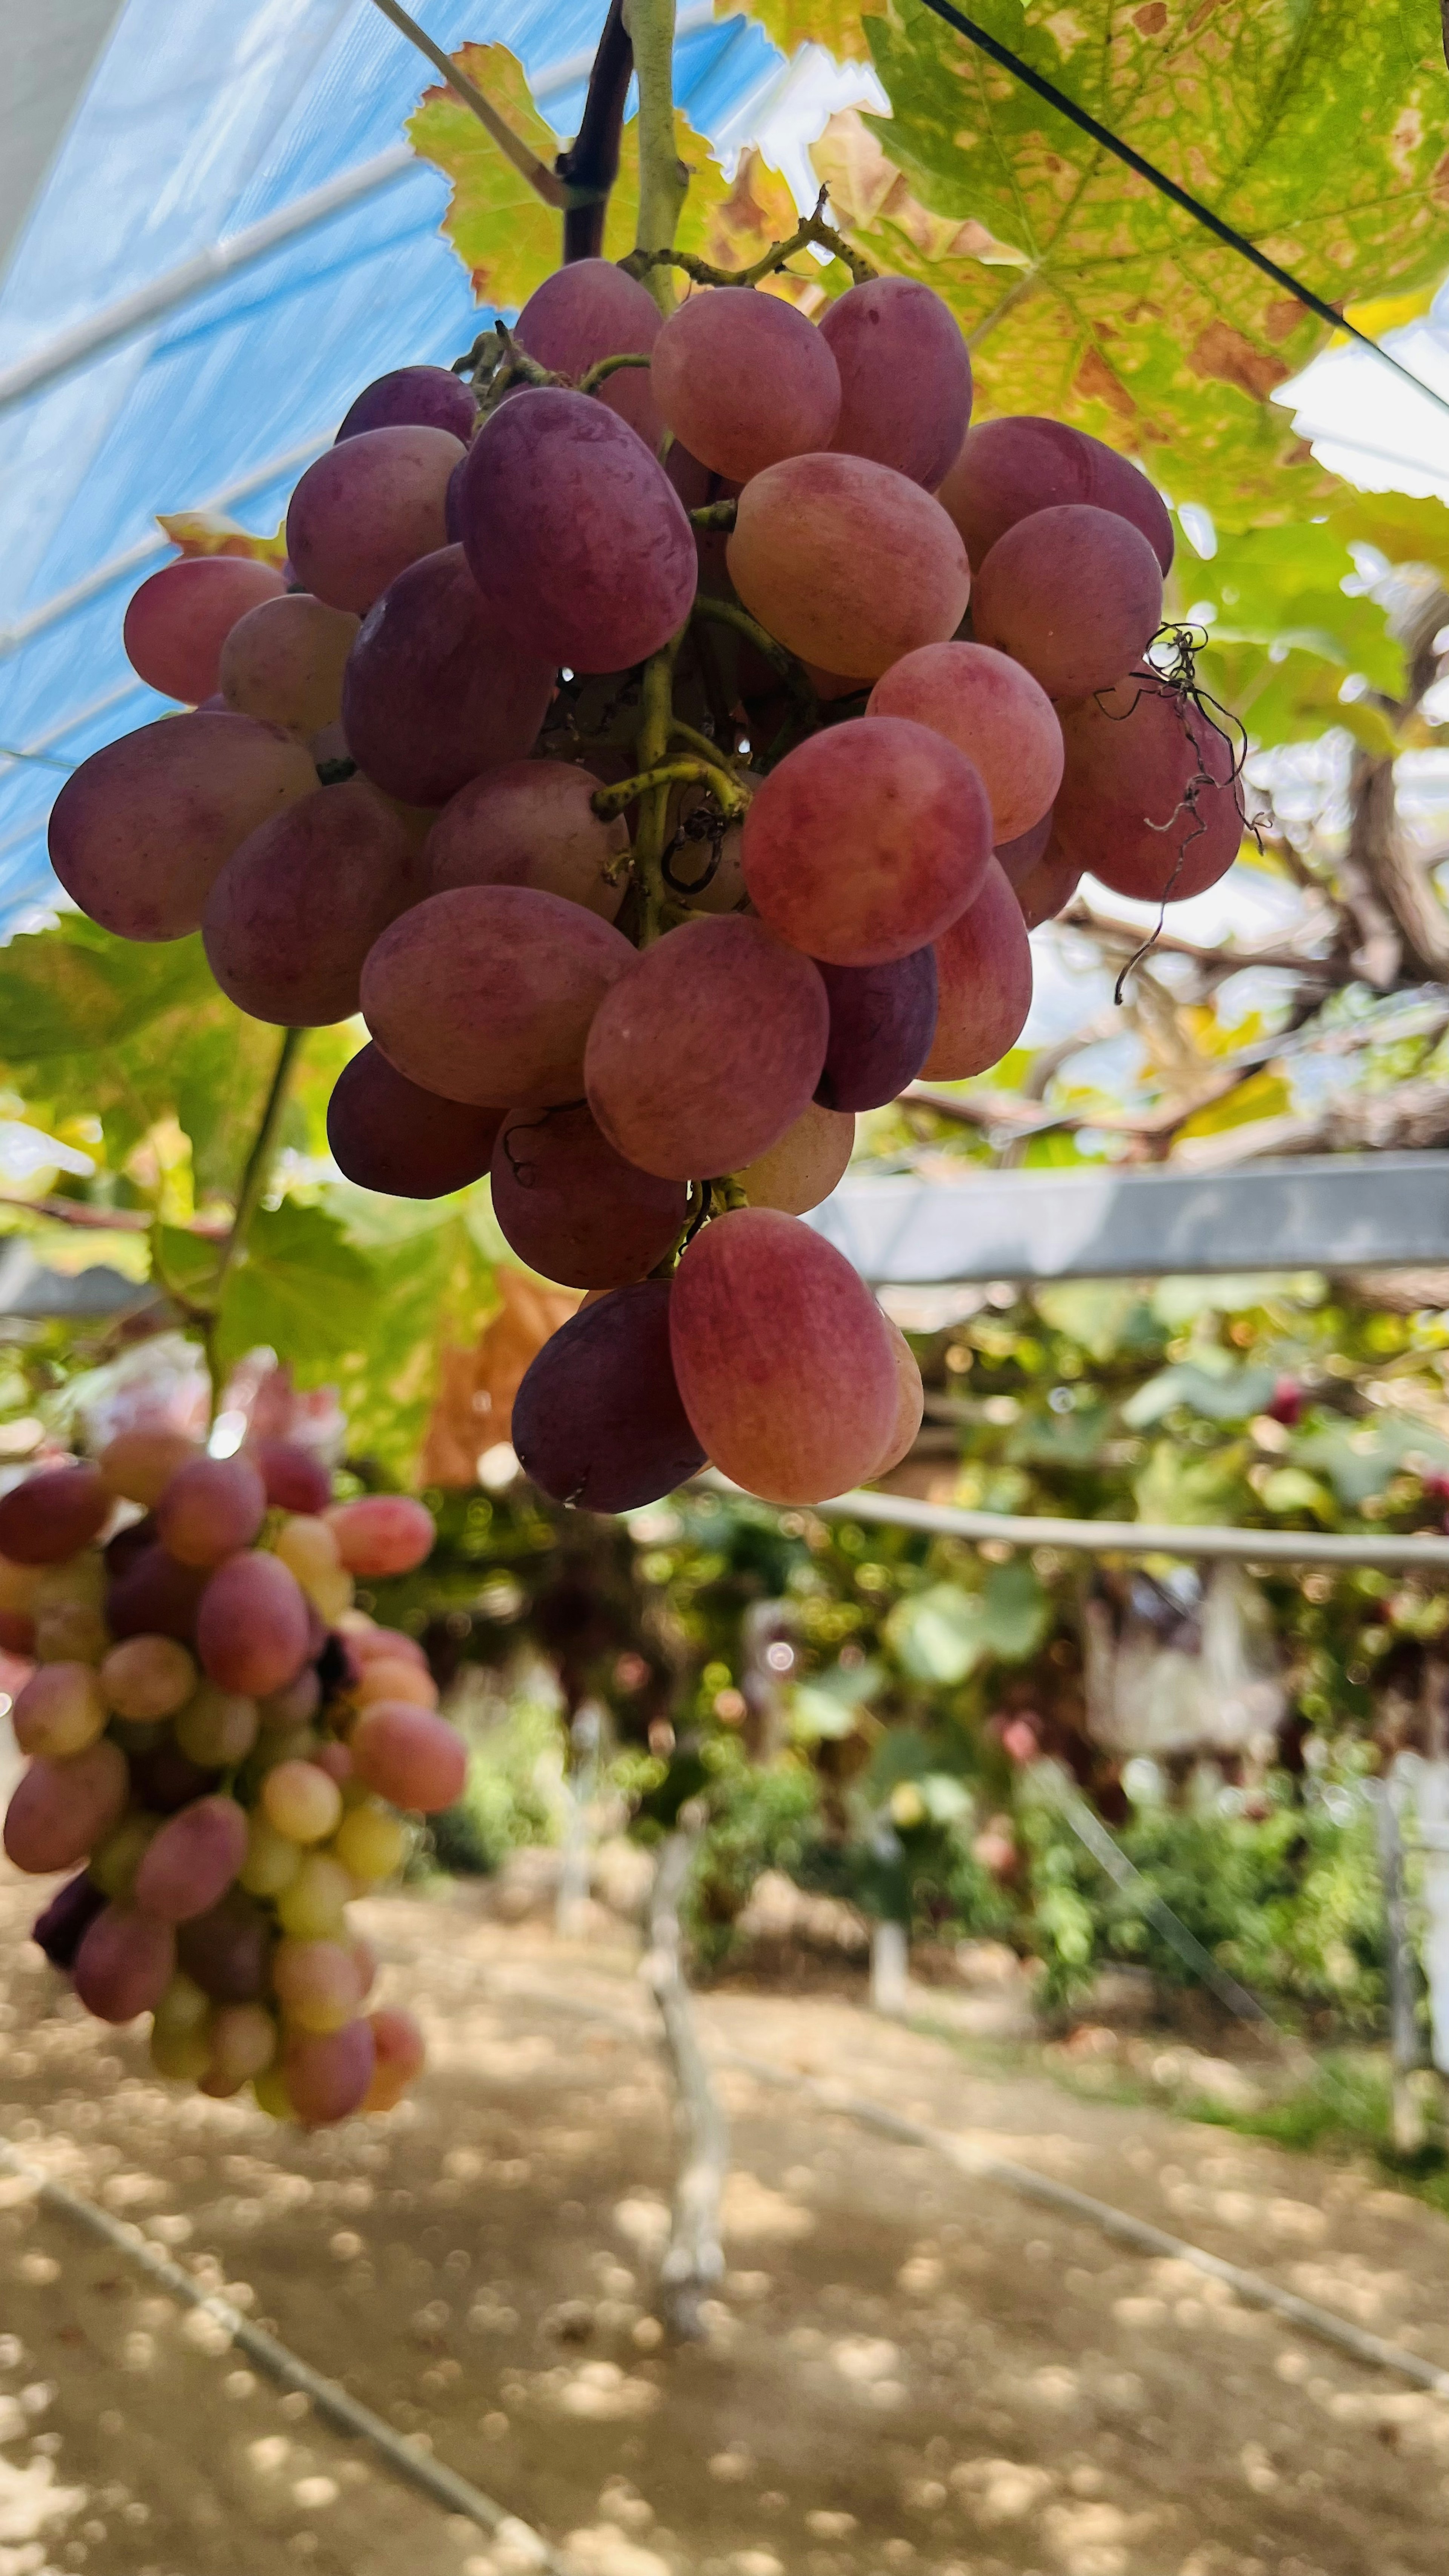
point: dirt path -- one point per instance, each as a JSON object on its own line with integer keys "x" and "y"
{"x": 909, "y": 2375}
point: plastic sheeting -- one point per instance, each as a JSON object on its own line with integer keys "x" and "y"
{"x": 198, "y": 121}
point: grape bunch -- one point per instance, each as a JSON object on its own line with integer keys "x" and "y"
{"x": 224, "y": 1741}
{"x": 666, "y": 741}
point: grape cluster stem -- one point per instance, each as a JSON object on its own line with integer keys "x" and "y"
{"x": 645, "y": 262}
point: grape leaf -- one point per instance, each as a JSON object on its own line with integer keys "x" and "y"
{"x": 73, "y": 986}
{"x": 1317, "y": 132}
{"x": 300, "y": 1288}
{"x": 510, "y": 241}
{"x": 835, "y": 24}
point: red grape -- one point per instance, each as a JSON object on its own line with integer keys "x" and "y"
{"x": 438, "y": 688}
{"x": 412, "y": 398}
{"x": 61, "y": 1926}
{"x": 983, "y": 964}
{"x": 744, "y": 379}
{"x": 140, "y": 1464}
{"x": 1074, "y": 594}
{"x": 572, "y": 1208}
{"x": 591, "y": 310}
{"x": 531, "y": 824}
{"x": 1148, "y": 800}
{"x": 154, "y": 1596}
{"x": 992, "y": 710}
{"x": 60, "y": 1710}
{"x": 598, "y": 1420}
{"x": 805, "y": 1165}
{"x": 291, "y": 917}
{"x": 387, "y": 1134}
{"x": 368, "y": 509}
{"x": 166, "y": 1779}
{"x": 1046, "y": 887}
{"x": 485, "y": 994}
{"x": 1017, "y": 855}
{"x": 867, "y": 840}
{"x": 574, "y": 534}
{"x": 847, "y": 562}
{"x": 910, "y": 1401}
{"x": 188, "y": 1866}
{"x": 1009, "y": 469}
{"x": 49, "y": 1517}
{"x": 782, "y": 1357}
{"x": 226, "y": 1950}
{"x": 409, "y": 1755}
{"x": 61, "y": 1810}
{"x": 709, "y": 1047}
{"x": 327, "y": 2073}
{"x": 140, "y": 832}
{"x": 125, "y": 1964}
{"x": 316, "y": 1983}
{"x": 146, "y": 1678}
{"x": 211, "y": 1507}
{"x": 398, "y": 2050}
{"x": 382, "y": 1534}
{"x": 905, "y": 376}
{"x": 180, "y": 618}
{"x": 252, "y": 1630}
{"x": 243, "y": 2043}
{"x": 283, "y": 662}
{"x": 294, "y": 1477}
{"x": 882, "y": 1020}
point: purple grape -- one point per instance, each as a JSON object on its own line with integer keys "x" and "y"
{"x": 882, "y": 1021}
{"x": 413, "y": 398}
{"x": 439, "y": 686}
{"x": 387, "y": 1133}
{"x": 599, "y": 1420}
{"x": 62, "y": 1926}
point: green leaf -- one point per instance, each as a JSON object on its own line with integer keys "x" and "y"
{"x": 1104, "y": 1316}
{"x": 300, "y": 1288}
{"x": 1229, "y": 1395}
{"x": 73, "y": 987}
{"x": 1189, "y": 1491}
{"x": 942, "y": 1634}
{"x": 1315, "y": 131}
{"x": 1360, "y": 1457}
{"x": 1292, "y": 1489}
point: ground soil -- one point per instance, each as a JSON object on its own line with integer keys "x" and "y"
{"x": 908, "y": 2373}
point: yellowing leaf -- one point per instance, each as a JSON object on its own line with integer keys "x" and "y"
{"x": 510, "y": 241}
{"x": 1318, "y": 133}
{"x": 210, "y": 532}
{"x": 835, "y": 24}
{"x": 1263, "y": 1095}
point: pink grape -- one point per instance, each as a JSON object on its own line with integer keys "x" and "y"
{"x": 289, "y": 921}
{"x": 140, "y": 832}
{"x": 59, "y": 1811}
{"x": 302, "y": 1801}
{"x": 381, "y": 1534}
{"x": 707, "y": 1049}
{"x": 54, "y": 1515}
{"x": 1148, "y": 800}
{"x": 910, "y": 1400}
{"x": 991, "y": 709}
{"x": 782, "y": 1358}
{"x": 409, "y": 1755}
{"x": 398, "y": 2051}
{"x": 846, "y": 562}
{"x": 146, "y": 1678}
{"x": 243, "y": 2043}
{"x": 412, "y": 398}
{"x": 283, "y": 662}
{"x": 983, "y": 966}
{"x": 374, "y": 1645}
{"x": 125, "y": 1964}
{"x": 1009, "y": 469}
{"x": 154, "y": 1596}
{"x": 368, "y": 509}
{"x": 226, "y": 1950}
{"x": 1017, "y": 855}
{"x": 294, "y": 1477}
{"x": 882, "y": 1021}
{"x": 59, "y": 1711}
{"x": 574, "y": 534}
{"x": 327, "y": 2073}
{"x": 211, "y": 1507}
{"x": 141, "y": 1463}
{"x": 1045, "y": 889}
{"x": 397, "y": 1677}
{"x": 905, "y": 376}
{"x": 486, "y": 994}
{"x": 1073, "y": 594}
{"x": 744, "y": 380}
{"x": 531, "y": 824}
{"x": 867, "y": 840}
{"x": 438, "y": 688}
{"x": 598, "y": 1420}
{"x": 387, "y": 1134}
{"x": 188, "y": 1866}
{"x": 806, "y": 1164}
{"x": 316, "y": 1984}
{"x": 252, "y": 1630}
{"x": 180, "y": 618}
{"x": 284, "y": 1710}
{"x": 166, "y": 1779}
{"x": 591, "y": 310}
{"x": 575, "y": 1210}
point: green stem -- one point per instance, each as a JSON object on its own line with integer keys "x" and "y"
{"x": 725, "y": 612}
{"x": 656, "y": 716}
{"x": 610, "y": 801}
{"x": 715, "y": 514}
{"x": 605, "y": 367}
{"x": 698, "y": 743}
{"x": 254, "y": 1178}
{"x": 646, "y": 261}
{"x": 663, "y": 178}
